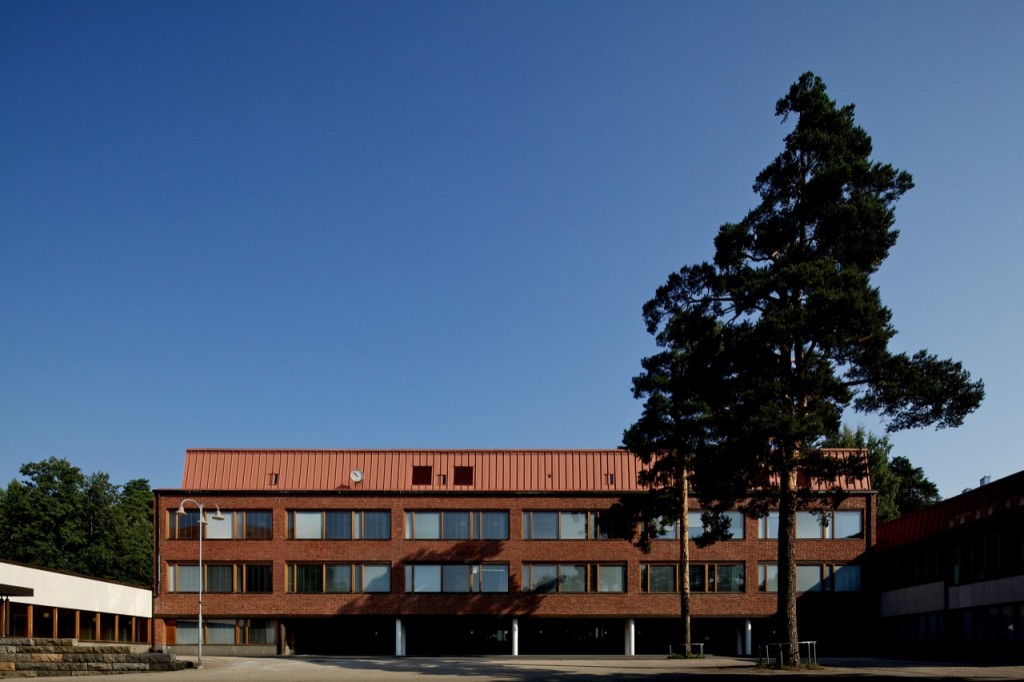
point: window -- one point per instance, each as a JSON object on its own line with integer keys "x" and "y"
{"x": 256, "y": 578}
{"x": 183, "y": 526}
{"x": 847, "y": 524}
{"x": 219, "y": 578}
{"x": 768, "y": 577}
{"x": 422, "y": 475}
{"x": 338, "y": 578}
{"x": 812, "y": 577}
{"x": 569, "y": 578}
{"x": 658, "y": 578}
{"x": 182, "y": 578}
{"x": 809, "y": 578}
{"x": 570, "y": 525}
{"x": 456, "y": 578}
{"x": 668, "y": 529}
{"x": 339, "y": 525}
{"x": 456, "y": 525}
{"x": 838, "y": 525}
{"x": 463, "y": 476}
{"x": 219, "y": 631}
{"x": 251, "y": 578}
{"x": 768, "y": 526}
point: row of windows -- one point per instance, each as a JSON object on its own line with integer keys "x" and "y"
{"x": 830, "y": 525}
{"x": 341, "y": 578}
{"x": 220, "y": 578}
{"x": 217, "y": 631}
{"x": 456, "y": 525}
{"x": 568, "y": 525}
{"x": 729, "y": 578}
{"x": 812, "y": 578}
{"x": 456, "y": 578}
{"x": 574, "y": 577}
{"x": 703, "y": 578}
{"x": 492, "y": 525}
{"x": 339, "y": 525}
{"x": 493, "y": 577}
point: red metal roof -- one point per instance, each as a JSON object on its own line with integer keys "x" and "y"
{"x": 991, "y": 499}
{"x": 392, "y": 470}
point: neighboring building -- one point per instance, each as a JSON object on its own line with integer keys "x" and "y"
{"x": 951, "y": 576}
{"x": 49, "y": 604}
{"x": 472, "y": 552}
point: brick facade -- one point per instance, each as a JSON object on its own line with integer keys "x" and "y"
{"x": 289, "y": 611}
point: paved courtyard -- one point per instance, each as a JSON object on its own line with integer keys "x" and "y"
{"x": 558, "y": 669}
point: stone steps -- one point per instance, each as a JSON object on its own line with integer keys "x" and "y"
{"x": 24, "y": 657}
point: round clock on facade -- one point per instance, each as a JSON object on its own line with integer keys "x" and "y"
{"x": 356, "y": 475}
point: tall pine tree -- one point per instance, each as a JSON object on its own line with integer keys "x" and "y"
{"x": 765, "y": 347}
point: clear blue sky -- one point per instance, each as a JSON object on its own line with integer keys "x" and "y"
{"x": 434, "y": 224}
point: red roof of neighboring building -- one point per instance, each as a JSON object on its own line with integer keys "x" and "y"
{"x": 993, "y": 498}
{"x": 392, "y": 470}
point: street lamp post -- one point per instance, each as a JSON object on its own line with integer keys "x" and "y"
{"x": 202, "y": 520}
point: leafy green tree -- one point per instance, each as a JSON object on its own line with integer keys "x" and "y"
{"x": 784, "y": 331}
{"x": 912, "y": 489}
{"x": 901, "y": 487}
{"x": 59, "y": 518}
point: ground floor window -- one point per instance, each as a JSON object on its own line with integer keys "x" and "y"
{"x": 226, "y": 632}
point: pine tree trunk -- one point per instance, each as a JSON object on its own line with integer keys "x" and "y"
{"x": 787, "y": 568}
{"x": 684, "y": 561}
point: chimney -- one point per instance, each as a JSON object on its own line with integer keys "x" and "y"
{"x": 985, "y": 480}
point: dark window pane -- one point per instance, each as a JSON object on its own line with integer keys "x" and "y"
{"x": 258, "y": 578}
{"x": 218, "y": 578}
{"x": 456, "y": 525}
{"x": 339, "y": 578}
{"x": 309, "y": 578}
{"x": 377, "y": 525}
{"x": 572, "y": 578}
{"x": 494, "y": 578}
{"x": 455, "y": 578}
{"x": 187, "y": 525}
{"x": 259, "y": 525}
{"x": 494, "y": 525}
{"x": 697, "y": 578}
{"x": 544, "y": 525}
{"x": 729, "y": 577}
{"x": 338, "y": 525}
{"x": 662, "y": 578}
{"x": 544, "y": 578}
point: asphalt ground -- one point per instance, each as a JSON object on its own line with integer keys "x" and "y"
{"x": 557, "y": 669}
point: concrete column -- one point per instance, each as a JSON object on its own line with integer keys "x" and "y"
{"x": 630, "y": 637}
{"x": 515, "y": 636}
{"x": 399, "y": 637}
{"x": 748, "y": 647}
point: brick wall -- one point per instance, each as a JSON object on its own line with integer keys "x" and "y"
{"x": 515, "y": 552}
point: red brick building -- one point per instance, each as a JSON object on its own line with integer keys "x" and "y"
{"x": 470, "y": 552}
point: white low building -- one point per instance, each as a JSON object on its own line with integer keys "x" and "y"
{"x": 49, "y": 604}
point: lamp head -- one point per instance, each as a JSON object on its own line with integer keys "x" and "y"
{"x": 217, "y": 515}
{"x": 181, "y": 509}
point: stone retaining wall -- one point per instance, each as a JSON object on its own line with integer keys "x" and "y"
{"x": 21, "y": 657}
